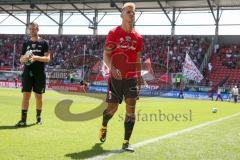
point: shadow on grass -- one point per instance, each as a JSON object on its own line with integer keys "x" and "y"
{"x": 94, "y": 151}
{"x": 14, "y": 127}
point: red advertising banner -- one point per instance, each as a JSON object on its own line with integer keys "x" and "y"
{"x": 67, "y": 87}
{"x": 10, "y": 84}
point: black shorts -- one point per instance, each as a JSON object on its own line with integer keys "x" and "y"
{"x": 36, "y": 82}
{"x": 119, "y": 88}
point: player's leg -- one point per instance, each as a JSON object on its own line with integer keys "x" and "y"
{"x": 229, "y": 97}
{"x": 235, "y": 98}
{"x": 25, "y": 105}
{"x": 212, "y": 96}
{"x": 107, "y": 115}
{"x": 39, "y": 86}
{"x": 114, "y": 98}
{"x": 38, "y": 98}
{"x": 129, "y": 122}
{"x": 131, "y": 94}
{"x": 27, "y": 84}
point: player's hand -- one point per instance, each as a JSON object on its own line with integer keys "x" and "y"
{"x": 24, "y": 59}
{"x": 116, "y": 73}
{"x": 33, "y": 58}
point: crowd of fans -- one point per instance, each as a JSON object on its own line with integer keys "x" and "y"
{"x": 157, "y": 47}
{"x": 230, "y": 56}
{"x": 10, "y": 44}
{"x": 67, "y": 51}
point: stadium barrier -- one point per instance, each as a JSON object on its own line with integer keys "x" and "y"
{"x": 67, "y": 87}
{"x": 151, "y": 91}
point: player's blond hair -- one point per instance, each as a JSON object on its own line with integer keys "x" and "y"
{"x": 34, "y": 24}
{"x": 129, "y": 4}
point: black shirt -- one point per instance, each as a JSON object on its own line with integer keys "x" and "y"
{"x": 38, "y": 48}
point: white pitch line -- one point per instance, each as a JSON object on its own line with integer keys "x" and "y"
{"x": 170, "y": 135}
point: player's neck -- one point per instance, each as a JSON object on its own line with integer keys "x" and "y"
{"x": 127, "y": 27}
{"x": 35, "y": 38}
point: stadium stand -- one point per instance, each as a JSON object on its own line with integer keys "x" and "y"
{"x": 70, "y": 49}
{"x": 226, "y": 66}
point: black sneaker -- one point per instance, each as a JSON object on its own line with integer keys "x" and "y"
{"x": 39, "y": 121}
{"x": 127, "y": 148}
{"x": 102, "y": 134}
{"x": 21, "y": 124}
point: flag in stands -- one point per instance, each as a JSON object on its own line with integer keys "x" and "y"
{"x": 190, "y": 71}
{"x": 147, "y": 71}
{"x": 104, "y": 70}
{"x": 95, "y": 68}
{"x": 164, "y": 78}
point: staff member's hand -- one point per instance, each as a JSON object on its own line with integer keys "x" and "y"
{"x": 33, "y": 58}
{"x": 24, "y": 59}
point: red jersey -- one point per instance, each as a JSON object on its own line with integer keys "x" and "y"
{"x": 124, "y": 49}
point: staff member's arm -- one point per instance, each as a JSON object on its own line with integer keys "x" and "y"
{"x": 24, "y": 58}
{"x": 45, "y": 58}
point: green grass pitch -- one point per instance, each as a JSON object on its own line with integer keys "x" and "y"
{"x": 57, "y": 139}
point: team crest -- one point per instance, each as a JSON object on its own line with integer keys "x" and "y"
{"x": 128, "y": 39}
{"x": 127, "y": 43}
{"x": 33, "y": 45}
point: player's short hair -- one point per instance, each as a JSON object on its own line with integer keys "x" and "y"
{"x": 33, "y": 24}
{"x": 129, "y": 4}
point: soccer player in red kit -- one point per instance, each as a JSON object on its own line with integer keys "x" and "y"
{"x": 122, "y": 52}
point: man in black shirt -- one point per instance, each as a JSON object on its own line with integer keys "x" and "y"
{"x": 34, "y": 56}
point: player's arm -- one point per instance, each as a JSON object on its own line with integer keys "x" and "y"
{"x": 108, "y": 48}
{"x": 139, "y": 66}
{"x": 106, "y": 58}
{"x": 45, "y": 58}
{"x": 23, "y": 58}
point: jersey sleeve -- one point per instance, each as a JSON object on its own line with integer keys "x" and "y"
{"x": 24, "y": 48}
{"x": 110, "y": 42}
{"x": 110, "y": 37}
{"x": 45, "y": 47}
